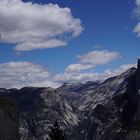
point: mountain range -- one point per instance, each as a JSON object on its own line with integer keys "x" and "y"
{"x": 108, "y": 110}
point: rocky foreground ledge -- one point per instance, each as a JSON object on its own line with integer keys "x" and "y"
{"x": 9, "y": 125}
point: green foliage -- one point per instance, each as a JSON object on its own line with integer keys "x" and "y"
{"x": 57, "y": 133}
{"x": 135, "y": 126}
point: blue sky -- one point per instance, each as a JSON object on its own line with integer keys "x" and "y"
{"x": 105, "y": 42}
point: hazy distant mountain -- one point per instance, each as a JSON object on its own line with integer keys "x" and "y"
{"x": 89, "y": 111}
{"x": 74, "y": 92}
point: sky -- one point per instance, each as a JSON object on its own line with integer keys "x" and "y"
{"x": 49, "y": 42}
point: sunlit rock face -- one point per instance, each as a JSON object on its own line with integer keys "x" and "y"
{"x": 118, "y": 118}
{"x": 112, "y": 108}
{"x": 40, "y": 108}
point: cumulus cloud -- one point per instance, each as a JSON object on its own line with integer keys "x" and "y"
{"x": 74, "y": 77}
{"x": 84, "y": 77}
{"x": 20, "y": 74}
{"x": 34, "y": 26}
{"x": 137, "y": 14}
{"x": 137, "y": 9}
{"x": 98, "y": 57}
{"x": 110, "y": 73}
{"x": 76, "y": 73}
{"x": 77, "y": 67}
{"x": 137, "y": 2}
{"x": 93, "y": 59}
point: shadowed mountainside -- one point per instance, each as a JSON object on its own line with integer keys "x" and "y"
{"x": 8, "y": 119}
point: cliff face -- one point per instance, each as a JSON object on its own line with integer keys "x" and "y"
{"x": 138, "y": 75}
{"x": 8, "y": 119}
{"x": 119, "y": 117}
{"x": 40, "y": 108}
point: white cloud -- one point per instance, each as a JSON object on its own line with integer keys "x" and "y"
{"x": 77, "y": 67}
{"x": 137, "y": 9}
{"x": 84, "y": 77}
{"x": 20, "y": 74}
{"x": 110, "y": 73}
{"x": 93, "y": 59}
{"x": 73, "y": 72}
{"x": 34, "y": 26}
{"x": 137, "y": 2}
{"x": 74, "y": 77}
{"x": 137, "y": 15}
{"x": 98, "y": 57}
{"x": 137, "y": 29}
{"x": 27, "y": 46}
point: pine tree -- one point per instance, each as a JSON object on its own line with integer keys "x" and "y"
{"x": 56, "y": 132}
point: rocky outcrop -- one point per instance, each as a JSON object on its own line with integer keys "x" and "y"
{"x": 138, "y": 76}
{"x": 39, "y": 109}
{"x": 74, "y": 92}
{"x": 119, "y": 117}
